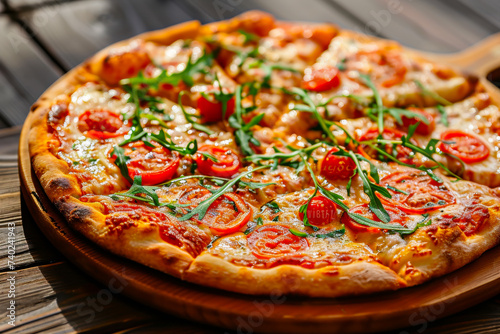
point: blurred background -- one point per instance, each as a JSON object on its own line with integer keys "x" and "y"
{"x": 42, "y": 39}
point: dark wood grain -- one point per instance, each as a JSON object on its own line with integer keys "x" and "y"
{"x": 73, "y": 31}
{"x": 24, "y": 72}
{"x": 424, "y": 25}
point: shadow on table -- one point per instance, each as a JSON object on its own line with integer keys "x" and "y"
{"x": 62, "y": 297}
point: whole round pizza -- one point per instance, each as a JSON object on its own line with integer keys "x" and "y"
{"x": 260, "y": 156}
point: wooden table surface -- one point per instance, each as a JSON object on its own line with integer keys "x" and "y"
{"x": 41, "y": 40}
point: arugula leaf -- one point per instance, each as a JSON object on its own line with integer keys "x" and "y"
{"x": 312, "y": 108}
{"x": 243, "y": 133}
{"x": 444, "y": 115}
{"x": 203, "y": 206}
{"x": 378, "y": 100}
{"x": 397, "y": 190}
{"x": 424, "y": 222}
{"x": 370, "y": 189}
{"x": 152, "y": 117}
{"x": 397, "y": 113}
{"x": 298, "y": 233}
{"x": 211, "y": 244}
{"x": 273, "y": 206}
{"x": 137, "y": 188}
{"x": 333, "y": 234}
{"x": 222, "y": 97}
{"x": 121, "y": 161}
{"x": 166, "y": 141}
{"x": 186, "y": 75}
{"x": 268, "y": 69}
{"x": 433, "y": 95}
{"x": 255, "y": 185}
{"x": 368, "y": 222}
{"x": 376, "y": 113}
{"x": 249, "y": 37}
{"x": 189, "y": 117}
{"x": 341, "y": 64}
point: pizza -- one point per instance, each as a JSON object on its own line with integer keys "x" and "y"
{"x": 260, "y": 156}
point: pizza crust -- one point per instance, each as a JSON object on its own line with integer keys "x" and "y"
{"x": 63, "y": 189}
{"x": 141, "y": 244}
{"x": 331, "y": 281}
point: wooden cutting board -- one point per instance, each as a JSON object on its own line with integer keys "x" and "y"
{"x": 415, "y": 306}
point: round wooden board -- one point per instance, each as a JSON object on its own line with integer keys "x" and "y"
{"x": 452, "y": 293}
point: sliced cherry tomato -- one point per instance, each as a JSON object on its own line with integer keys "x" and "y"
{"x": 322, "y": 79}
{"x": 336, "y": 167}
{"x": 227, "y": 214}
{"x": 211, "y": 109}
{"x": 101, "y": 124}
{"x": 470, "y": 220}
{"x": 387, "y": 68}
{"x": 467, "y": 147}
{"x": 403, "y": 154}
{"x": 397, "y": 217}
{"x": 227, "y": 163}
{"x": 193, "y": 195}
{"x": 422, "y": 128}
{"x": 416, "y": 192}
{"x": 271, "y": 241}
{"x": 154, "y": 165}
{"x": 320, "y": 211}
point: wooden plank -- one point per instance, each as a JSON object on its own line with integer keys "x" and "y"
{"x": 25, "y": 72}
{"x": 10, "y": 141}
{"x": 31, "y": 246}
{"x": 293, "y": 10}
{"x": 74, "y": 31}
{"x": 485, "y": 9}
{"x": 56, "y": 297}
{"x": 60, "y": 298}
{"x": 425, "y": 25}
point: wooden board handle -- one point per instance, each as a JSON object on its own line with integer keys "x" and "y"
{"x": 480, "y": 58}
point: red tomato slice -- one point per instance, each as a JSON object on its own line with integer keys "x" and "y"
{"x": 101, "y": 124}
{"x": 227, "y": 163}
{"x": 397, "y": 217}
{"x": 403, "y": 154}
{"x": 275, "y": 240}
{"x": 154, "y": 165}
{"x": 470, "y": 221}
{"x": 467, "y": 147}
{"x": 418, "y": 193}
{"x": 211, "y": 109}
{"x": 387, "y": 67}
{"x": 319, "y": 80}
{"x": 227, "y": 214}
{"x": 336, "y": 167}
{"x": 320, "y": 211}
{"x": 422, "y": 128}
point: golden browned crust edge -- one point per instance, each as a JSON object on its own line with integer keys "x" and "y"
{"x": 332, "y": 281}
{"x": 63, "y": 189}
{"x": 140, "y": 243}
